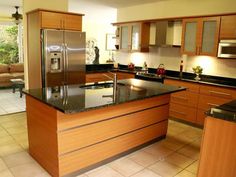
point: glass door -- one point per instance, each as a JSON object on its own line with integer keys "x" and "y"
{"x": 124, "y": 38}
{"x": 135, "y": 37}
{"x": 209, "y": 38}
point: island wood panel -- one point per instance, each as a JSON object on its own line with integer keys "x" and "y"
{"x": 193, "y": 87}
{"x": 218, "y": 154}
{"x": 185, "y": 98}
{"x": 104, "y": 150}
{"x": 222, "y": 92}
{"x": 66, "y": 121}
{"x": 93, "y": 133}
{"x": 42, "y": 134}
{"x": 181, "y": 112}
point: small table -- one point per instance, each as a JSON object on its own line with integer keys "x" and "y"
{"x": 17, "y": 83}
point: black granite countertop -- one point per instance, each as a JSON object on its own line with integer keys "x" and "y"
{"x": 226, "y": 111}
{"x": 79, "y": 98}
{"x": 188, "y": 77}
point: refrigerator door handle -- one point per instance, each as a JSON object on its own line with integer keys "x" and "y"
{"x": 66, "y": 61}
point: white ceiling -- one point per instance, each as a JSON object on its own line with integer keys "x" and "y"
{"x": 120, "y": 3}
{"x": 7, "y": 6}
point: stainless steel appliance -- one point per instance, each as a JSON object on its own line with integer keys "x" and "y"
{"x": 63, "y": 57}
{"x": 149, "y": 77}
{"x": 227, "y": 49}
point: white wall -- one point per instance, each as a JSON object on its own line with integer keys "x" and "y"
{"x": 96, "y": 22}
{"x": 175, "y": 8}
{"x": 171, "y": 56}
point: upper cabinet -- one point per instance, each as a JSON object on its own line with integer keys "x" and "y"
{"x": 134, "y": 37}
{"x": 58, "y": 20}
{"x": 228, "y": 27}
{"x": 200, "y": 36}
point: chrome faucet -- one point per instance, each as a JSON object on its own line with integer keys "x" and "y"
{"x": 114, "y": 79}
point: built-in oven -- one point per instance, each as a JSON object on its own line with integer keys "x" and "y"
{"x": 227, "y": 49}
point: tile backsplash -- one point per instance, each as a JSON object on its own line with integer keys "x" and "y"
{"x": 171, "y": 58}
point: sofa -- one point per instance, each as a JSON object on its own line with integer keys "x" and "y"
{"x": 11, "y": 71}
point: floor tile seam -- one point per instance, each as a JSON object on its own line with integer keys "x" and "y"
{"x": 147, "y": 165}
{"x": 187, "y": 156}
{"x": 162, "y": 156}
{"x": 115, "y": 170}
{"x": 155, "y": 172}
{"x": 21, "y": 164}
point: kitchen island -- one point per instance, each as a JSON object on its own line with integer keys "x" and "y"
{"x": 75, "y": 128}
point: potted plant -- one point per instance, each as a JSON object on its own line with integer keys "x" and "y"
{"x": 197, "y": 70}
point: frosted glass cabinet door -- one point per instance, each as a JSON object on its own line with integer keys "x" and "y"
{"x": 124, "y": 38}
{"x": 190, "y": 37}
{"x": 210, "y": 31}
{"x": 135, "y": 37}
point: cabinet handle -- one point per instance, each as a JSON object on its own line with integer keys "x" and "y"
{"x": 212, "y": 104}
{"x": 178, "y": 112}
{"x": 219, "y": 93}
{"x": 180, "y": 97}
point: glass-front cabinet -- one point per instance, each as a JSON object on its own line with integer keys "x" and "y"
{"x": 133, "y": 37}
{"x": 200, "y": 36}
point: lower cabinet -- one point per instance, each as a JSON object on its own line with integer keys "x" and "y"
{"x": 192, "y": 104}
{"x": 100, "y": 76}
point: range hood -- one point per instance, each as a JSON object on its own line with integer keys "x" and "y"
{"x": 165, "y": 33}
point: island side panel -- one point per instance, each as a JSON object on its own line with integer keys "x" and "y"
{"x": 218, "y": 154}
{"x": 42, "y": 134}
{"x": 108, "y": 132}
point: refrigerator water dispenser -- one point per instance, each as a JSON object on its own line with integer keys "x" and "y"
{"x": 55, "y": 62}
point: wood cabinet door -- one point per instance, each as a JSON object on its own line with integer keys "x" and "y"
{"x": 190, "y": 36}
{"x": 228, "y": 27}
{"x": 209, "y": 35}
{"x": 72, "y": 22}
{"x": 51, "y": 20}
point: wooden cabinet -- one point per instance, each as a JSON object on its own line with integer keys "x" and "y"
{"x": 134, "y": 37}
{"x": 217, "y": 156}
{"x": 56, "y": 20}
{"x": 200, "y": 36}
{"x": 228, "y": 27}
{"x": 99, "y": 77}
{"x": 45, "y": 19}
{"x": 183, "y": 105}
{"x": 211, "y": 96}
{"x": 192, "y": 104}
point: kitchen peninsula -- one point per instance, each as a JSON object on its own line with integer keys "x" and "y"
{"x": 78, "y": 127}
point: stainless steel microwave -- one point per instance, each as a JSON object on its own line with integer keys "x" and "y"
{"x": 227, "y": 49}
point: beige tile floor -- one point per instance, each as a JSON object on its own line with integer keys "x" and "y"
{"x": 175, "y": 156}
{"x": 11, "y": 102}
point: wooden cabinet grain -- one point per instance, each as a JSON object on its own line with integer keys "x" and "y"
{"x": 55, "y": 20}
{"x": 228, "y": 27}
{"x": 200, "y": 36}
{"x": 192, "y": 104}
{"x": 99, "y": 77}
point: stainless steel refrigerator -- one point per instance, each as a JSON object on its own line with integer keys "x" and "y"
{"x": 63, "y": 57}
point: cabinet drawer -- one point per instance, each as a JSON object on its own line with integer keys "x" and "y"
{"x": 206, "y": 102}
{"x": 94, "y": 133}
{"x": 185, "y": 98}
{"x": 193, "y": 87}
{"x": 183, "y": 112}
{"x": 221, "y": 92}
{"x": 85, "y": 157}
{"x": 96, "y": 77}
